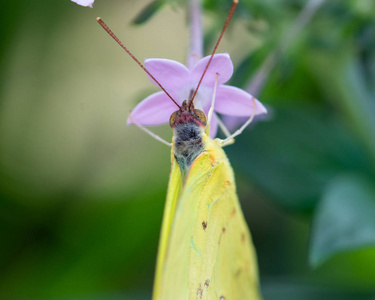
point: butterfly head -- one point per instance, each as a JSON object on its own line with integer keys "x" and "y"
{"x": 188, "y": 114}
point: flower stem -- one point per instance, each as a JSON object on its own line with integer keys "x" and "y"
{"x": 258, "y": 81}
{"x": 196, "y": 35}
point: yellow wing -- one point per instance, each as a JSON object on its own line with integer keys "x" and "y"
{"x": 208, "y": 252}
{"x": 174, "y": 189}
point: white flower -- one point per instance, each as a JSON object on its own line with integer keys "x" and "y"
{"x": 179, "y": 81}
{"x": 87, "y": 3}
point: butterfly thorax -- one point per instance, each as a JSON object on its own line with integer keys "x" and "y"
{"x": 188, "y": 126}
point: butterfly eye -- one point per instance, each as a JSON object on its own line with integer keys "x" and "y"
{"x": 201, "y": 116}
{"x": 173, "y": 117}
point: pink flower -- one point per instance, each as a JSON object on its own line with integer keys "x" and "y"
{"x": 179, "y": 81}
{"x": 84, "y": 2}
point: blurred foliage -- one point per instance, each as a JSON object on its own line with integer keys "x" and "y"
{"x": 82, "y": 196}
{"x": 354, "y": 227}
{"x": 148, "y": 11}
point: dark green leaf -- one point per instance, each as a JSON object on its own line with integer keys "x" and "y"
{"x": 148, "y": 11}
{"x": 345, "y": 218}
{"x": 297, "y": 290}
{"x": 293, "y": 155}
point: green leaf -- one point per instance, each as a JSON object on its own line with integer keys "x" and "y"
{"x": 289, "y": 289}
{"x": 148, "y": 12}
{"x": 345, "y": 218}
{"x": 344, "y": 84}
{"x": 294, "y": 155}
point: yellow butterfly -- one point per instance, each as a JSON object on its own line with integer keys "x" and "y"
{"x": 205, "y": 248}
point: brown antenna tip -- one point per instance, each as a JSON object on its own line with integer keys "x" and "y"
{"x": 230, "y": 15}
{"x": 109, "y": 31}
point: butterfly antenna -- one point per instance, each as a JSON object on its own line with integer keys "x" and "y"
{"x": 230, "y": 15}
{"x": 109, "y": 31}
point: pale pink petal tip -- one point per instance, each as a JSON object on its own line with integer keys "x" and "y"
{"x": 171, "y": 74}
{"x": 221, "y": 64}
{"x": 155, "y": 110}
{"x": 234, "y": 101}
{"x": 86, "y": 3}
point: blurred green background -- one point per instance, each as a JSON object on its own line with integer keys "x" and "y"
{"x": 82, "y": 194}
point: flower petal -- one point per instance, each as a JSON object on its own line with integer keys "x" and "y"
{"x": 233, "y": 101}
{"x": 87, "y": 3}
{"x": 221, "y": 64}
{"x": 213, "y": 129}
{"x": 171, "y": 74}
{"x": 156, "y": 109}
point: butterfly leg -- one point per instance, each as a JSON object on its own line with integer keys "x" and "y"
{"x": 211, "y": 111}
{"x": 155, "y": 136}
{"x": 223, "y": 127}
{"x": 230, "y": 139}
